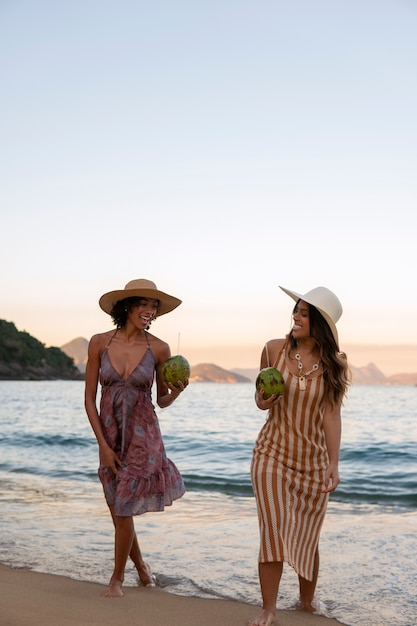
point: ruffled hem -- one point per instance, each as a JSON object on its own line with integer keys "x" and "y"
{"x": 136, "y": 496}
{"x": 151, "y": 504}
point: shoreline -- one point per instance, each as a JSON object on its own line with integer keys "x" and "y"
{"x": 40, "y": 599}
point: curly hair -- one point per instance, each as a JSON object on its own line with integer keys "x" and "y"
{"x": 336, "y": 373}
{"x": 121, "y": 309}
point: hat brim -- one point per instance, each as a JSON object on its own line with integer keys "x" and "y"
{"x": 167, "y": 303}
{"x": 299, "y": 296}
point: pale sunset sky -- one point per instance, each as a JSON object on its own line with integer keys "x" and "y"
{"x": 220, "y": 149}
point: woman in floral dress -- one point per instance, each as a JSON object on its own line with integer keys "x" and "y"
{"x": 134, "y": 470}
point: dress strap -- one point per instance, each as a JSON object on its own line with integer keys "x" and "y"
{"x": 282, "y": 350}
{"x": 111, "y": 339}
{"x": 267, "y": 354}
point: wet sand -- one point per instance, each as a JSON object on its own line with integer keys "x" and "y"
{"x": 37, "y": 599}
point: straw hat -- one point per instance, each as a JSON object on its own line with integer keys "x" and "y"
{"x": 325, "y": 301}
{"x": 139, "y": 288}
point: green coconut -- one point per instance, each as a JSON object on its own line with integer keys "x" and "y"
{"x": 271, "y": 381}
{"x": 176, "y": 369}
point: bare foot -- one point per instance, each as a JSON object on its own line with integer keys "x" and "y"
{"x": 308, "y": 606}
{"x": 145, "y": 575}
{"x": 266, "y": 618}
{"x": 114, "y": 590}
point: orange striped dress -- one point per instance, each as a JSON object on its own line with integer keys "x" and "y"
{"x": 288, "y": 466}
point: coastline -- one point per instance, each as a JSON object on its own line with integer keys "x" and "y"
{"x": 49, "y": 600}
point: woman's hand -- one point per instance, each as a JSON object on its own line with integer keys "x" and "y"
{"x": 177, "y": 389}
{"x": 266, "y": 403}
{"x": 331, "y": 479}
{"x": 167, "y": 398}
{"x": 110, "y": 459}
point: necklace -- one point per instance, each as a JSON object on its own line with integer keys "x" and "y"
{"x": 302, "y": 374}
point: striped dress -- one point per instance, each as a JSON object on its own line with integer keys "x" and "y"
{"x": 288, "y": 467}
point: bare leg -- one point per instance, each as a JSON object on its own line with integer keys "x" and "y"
{"x": 308, "y": 587}
{"x": 143, "y": 569}
{"x": 123, "y": 541}
{"x": 269, "y": 578}
{"x": 135, "y": 554}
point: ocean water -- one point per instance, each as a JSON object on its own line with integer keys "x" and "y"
{"x": 54, "y": 519}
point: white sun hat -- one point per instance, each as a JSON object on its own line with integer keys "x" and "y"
{"x": 324, "y": 301}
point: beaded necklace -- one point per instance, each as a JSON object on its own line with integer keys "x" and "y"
{"x": 301, "y": 374}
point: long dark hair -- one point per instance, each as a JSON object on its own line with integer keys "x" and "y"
{"x": 336, "y": 373}
{"x": 121, "y": 309}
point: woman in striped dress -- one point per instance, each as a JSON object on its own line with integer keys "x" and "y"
{"x": 295, "y": 458}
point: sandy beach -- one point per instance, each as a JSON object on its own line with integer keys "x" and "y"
{"x": 47, "y": 600}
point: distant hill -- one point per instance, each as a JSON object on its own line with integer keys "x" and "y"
{"x": 371, "y": 375}
{"x": 210, "y": 373}
{"x": 249, "y": 372}
{"x": 77, "y": 350}
{"x": 368, "y": 375}
{"x": 22, "y": 357}
{"x": 403, "y": 379}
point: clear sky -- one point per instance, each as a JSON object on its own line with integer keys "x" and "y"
{"x": 219, "y": 148}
